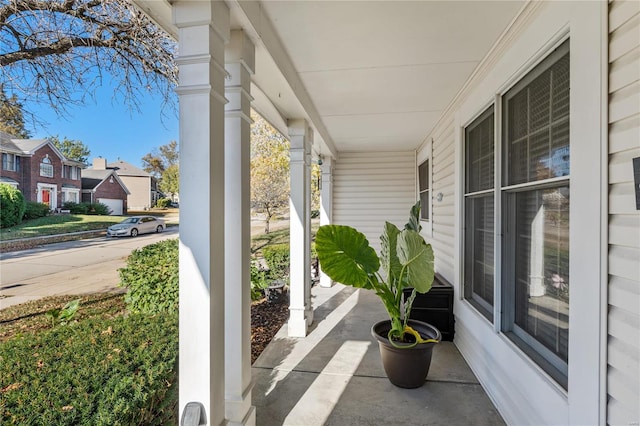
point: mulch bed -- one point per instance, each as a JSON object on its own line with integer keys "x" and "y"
{"x": 266, "y": 319}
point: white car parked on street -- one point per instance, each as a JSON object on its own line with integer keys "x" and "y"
{"x": 135, "y": 225}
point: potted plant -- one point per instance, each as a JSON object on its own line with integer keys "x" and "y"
{"x": 405, "y": 261}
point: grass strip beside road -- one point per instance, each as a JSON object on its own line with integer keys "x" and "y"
{"x": 57, "y": 224}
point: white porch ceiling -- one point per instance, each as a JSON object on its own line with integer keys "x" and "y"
{"x": 368, "y": 75}
{"x": 381, "y": 73}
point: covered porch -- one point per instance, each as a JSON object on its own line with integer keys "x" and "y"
{"x": 496, "y": 116}
{"x": 334, "y": 376}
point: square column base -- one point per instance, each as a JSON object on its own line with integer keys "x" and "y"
{"x": 308, "y": 314}
{"x": 325, "y": 281}
{"x": 297, "y": 325}
{"x": 248, "y": 420}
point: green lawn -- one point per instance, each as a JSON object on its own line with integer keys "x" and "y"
{"x": 281, "y": 236}
{"x": 57, "y": 224}
{"x": 105, "y": 365}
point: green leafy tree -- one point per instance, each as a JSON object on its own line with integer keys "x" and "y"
{"x": 269, "y": 169}
{"x": 170, "y": 183}
{"x": 57, "y": 52}
{"x": 316, "y": 176}
{"x": 162, "y": 163}
{"x": 160, "y": 159}
{"x": 12, "y": 116}
{"x": 72, "y": 149}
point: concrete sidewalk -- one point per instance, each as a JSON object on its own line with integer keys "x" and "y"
{"x": 334, "y": 376}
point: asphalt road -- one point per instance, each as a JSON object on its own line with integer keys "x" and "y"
{"x": 74, "y": 267}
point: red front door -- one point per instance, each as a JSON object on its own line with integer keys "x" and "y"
{"x": 46, "y": 197}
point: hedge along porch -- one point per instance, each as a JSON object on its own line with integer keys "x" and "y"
{"x": 384, "y": 96}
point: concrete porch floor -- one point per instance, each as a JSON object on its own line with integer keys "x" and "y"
{"x": 334, "y": 376}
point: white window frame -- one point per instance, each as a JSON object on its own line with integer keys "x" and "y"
{"x": 502, "y": 315}
{"x": 72, "y": 174}
{"x": 46, "y": 168}
{"x": 518, "y": 381}
{"x": 67, "y": 191}
{"x": 551, "y": 363}
{"x": 426, "y": 154}
{"x": 14, "y": 163}
{"x": 483, "y": 307}
{"x": 427, "y": 206}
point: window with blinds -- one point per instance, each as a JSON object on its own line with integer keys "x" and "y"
{"x": 533, "y": 216}
{"x": 535, "y": 213}
{"x": 479, "y": 213}
{"x": 10, "y": 162}
{"x": 424, "y": 190}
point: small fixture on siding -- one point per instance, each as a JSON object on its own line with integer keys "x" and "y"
{"x": 440, "y": 196}
{"x": 636, "y": 180}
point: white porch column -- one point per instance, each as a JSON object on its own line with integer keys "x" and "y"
{"x": 203, "y": 32}
{"x": 326, "y": 206}
{"x": 239, "y": 63}
{"x": 301, "y": 312}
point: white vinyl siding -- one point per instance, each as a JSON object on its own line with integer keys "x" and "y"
{"x": 443, "y": 182}
{"x": 139, "y": 187}
{"x": 623, "y": 349}
{"x": 371, "y": 188}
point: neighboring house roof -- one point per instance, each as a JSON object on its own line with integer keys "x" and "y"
{"x": 126, "y": 169}
{"x": 7, "y": 145}
{"x": 91, "y": 179}
{"x": 13, "y": 145}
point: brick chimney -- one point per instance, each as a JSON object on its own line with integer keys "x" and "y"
{"x": 100, "y": 163}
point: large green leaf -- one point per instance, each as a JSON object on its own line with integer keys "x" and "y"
{"x": 389, "y": 254}
{"x": 417, "y": 258}
{"x": 414, "y": 218}
{"x": 345, "y": 255}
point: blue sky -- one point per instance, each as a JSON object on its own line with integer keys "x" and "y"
{"x": 108, "y": 128}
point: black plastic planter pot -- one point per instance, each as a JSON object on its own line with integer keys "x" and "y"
{"x": 406, "y": 367}
{"x": 275, "y": 291}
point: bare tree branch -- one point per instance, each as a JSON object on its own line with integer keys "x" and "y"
{"x": 58, "y": 51}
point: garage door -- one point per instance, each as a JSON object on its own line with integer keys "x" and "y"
{"x": 114, "y": 205}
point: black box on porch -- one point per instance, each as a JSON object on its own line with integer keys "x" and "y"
{"x": 435, "y": 307}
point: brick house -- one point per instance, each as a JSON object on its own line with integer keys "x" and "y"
{"x": 39, "y": 170}
{"x": 104, "y": 186}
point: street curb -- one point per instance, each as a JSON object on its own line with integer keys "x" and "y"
{"x": 32, "y": 242}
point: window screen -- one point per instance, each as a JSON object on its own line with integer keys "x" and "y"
{"x": 479, "y": 213}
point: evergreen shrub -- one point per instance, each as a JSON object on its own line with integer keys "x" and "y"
{"x": 151, "y": 277}
{"x": 12, "y": 206}
{"x": 76, "y": 208}
{"x": 98, "y": 209}
{"x": 278, "y": 260}
{"x": 35, "y": 210}
{"x": 163, "y": 203}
